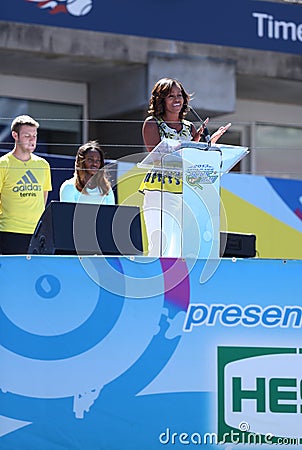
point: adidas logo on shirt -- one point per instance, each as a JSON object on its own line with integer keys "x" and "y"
{"x": 27, "y": 184}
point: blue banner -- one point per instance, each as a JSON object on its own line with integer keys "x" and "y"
{"x": 118, "y": 353}
{"x": 249, "y": 24}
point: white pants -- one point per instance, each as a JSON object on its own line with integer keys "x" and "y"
{"x": 163, "y": 220}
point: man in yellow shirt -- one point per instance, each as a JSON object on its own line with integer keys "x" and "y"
{"x": 25, "y": 181}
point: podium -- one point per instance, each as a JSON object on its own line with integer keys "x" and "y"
{"x": 201, "y": 167}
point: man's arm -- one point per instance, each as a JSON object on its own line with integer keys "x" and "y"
{"x": 45, "y": 197}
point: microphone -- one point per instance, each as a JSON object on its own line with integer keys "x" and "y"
{"x": 205, "y": 133}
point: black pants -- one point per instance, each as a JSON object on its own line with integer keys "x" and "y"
{"x": 14, "y": 243}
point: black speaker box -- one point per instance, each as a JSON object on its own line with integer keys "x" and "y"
{"x": 87, "y": 229}
{"x": 237, "y": 245}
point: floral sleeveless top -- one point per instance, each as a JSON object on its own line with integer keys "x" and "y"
{"x": 170, "y": 133}
{"x": 155, "y": 180}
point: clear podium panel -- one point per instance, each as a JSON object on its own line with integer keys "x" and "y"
{"x": 189, "y": 222}
{"x": 201, "y": 204}
{"x": 166, "y": 147}
{"x": 231, "y": 155}
{"x": 158, "y": 158}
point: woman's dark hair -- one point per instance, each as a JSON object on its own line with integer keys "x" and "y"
{"x": 160, "y": 91}
{"x": 100, "y": 178}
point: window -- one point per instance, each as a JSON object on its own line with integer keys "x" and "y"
{"x": 278, "y": 151}
{"x": 60, "y": 129}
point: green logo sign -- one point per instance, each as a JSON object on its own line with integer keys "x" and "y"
{"x": 259, "y": 395}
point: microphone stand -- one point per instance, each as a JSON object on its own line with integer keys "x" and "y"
{"x": 205, "y": 133}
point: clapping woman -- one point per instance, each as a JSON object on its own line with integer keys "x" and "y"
{"x": 89, "y": 183}
{"x": 168, "y": 106}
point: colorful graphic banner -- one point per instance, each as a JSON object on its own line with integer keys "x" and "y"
{"x": 270, "y": 208}
{"x": 134, "y": 353}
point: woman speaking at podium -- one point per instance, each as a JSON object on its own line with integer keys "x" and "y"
{"x": 162, "y": 206}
